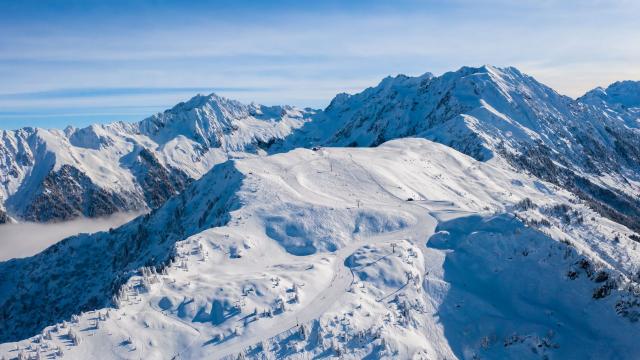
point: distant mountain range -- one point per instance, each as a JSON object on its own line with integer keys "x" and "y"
{"x": 52, "y": 175}
{"x": 590, "y": 146}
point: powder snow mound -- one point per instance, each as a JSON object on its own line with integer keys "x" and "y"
{"x": 52, "y": 175}
{"x": 338, "y": 252}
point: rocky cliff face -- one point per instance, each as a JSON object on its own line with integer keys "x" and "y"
{"x": 158, "y": 182}
{"x": 4, "y": 218}
{"x": 68, "y": 193}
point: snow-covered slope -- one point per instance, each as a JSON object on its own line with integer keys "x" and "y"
{"x": 407, "y": 250}
{"x": 622, "y": 93}
{"x": 101, "y": 169}
{"x": 591, "y": 150}
{"x": 620, "y": 99}
{"x": 499, "y": 224}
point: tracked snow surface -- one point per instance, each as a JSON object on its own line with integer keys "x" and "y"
{"x": 407, "y": 250}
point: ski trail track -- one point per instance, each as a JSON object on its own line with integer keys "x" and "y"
{"x": 423, "y": 212}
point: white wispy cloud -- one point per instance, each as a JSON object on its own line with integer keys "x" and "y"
{"x": 305, "y": 56}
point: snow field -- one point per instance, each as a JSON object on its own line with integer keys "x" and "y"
{"x": 408, "y": 250}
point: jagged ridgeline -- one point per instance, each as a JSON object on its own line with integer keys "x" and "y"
{"x": 371, "y": 246}
{"x": 589, "y": 146}
{"x": 53, "y": 175}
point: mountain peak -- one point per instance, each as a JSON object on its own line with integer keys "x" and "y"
{"x": 404, "y": 80}
{"x": 265, "y": 256}
{"x": 507, "y": 74}
{"x": 201, "y": 101}
{"x": 200, "y": 118}
{"x": 624, "y": 93}
{"x": 216, "y": 121}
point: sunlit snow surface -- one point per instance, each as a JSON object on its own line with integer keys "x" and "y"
{"x": 408, "y": 250}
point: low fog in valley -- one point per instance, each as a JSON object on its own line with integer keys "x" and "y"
{"x": 26, "y": 239}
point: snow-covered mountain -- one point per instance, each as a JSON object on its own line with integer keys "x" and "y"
{"x": 590, "y": 148}
{"x": 621, "y": 93}
{"x": 50, "y": 175}
{"x": 589, "y": 145}
{"x": 477, "y": 214}
{"x": 407, "y": 250}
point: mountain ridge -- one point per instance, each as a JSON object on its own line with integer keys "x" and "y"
{"x": 482, "y": 111}
{"x": 120, "y": 160}
{"x": 487, "y": 112}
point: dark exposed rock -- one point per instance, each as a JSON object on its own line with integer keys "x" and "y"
{"x": 4, "y": 218}
{"x": 31, "y": 190}
{"x": 68, "y": 193}
{"x": 486, "y": 111}
{"x": 610, "y": 203}
{"x": 157, "y": 182}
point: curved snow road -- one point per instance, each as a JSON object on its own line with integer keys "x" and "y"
{"x": 340, "y": 284}
{"x": 343, "y": 277}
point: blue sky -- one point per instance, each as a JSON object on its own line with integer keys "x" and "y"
{"x": 79, "y": 62}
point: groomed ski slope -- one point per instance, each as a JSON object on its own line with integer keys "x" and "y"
{"x": 407, "y": 250}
